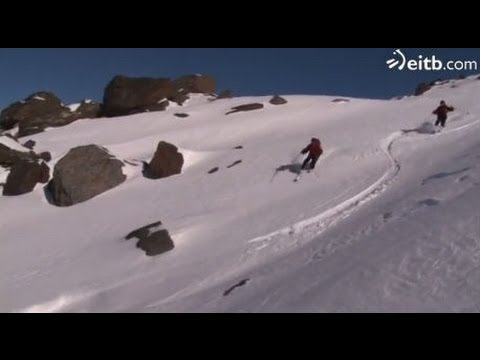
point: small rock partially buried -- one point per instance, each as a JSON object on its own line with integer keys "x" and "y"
{"x": 152, "y": 238}
{"x": 234, "y": 163}
{"x": 29, "y": 144}
{"x": 277, "y": 100}
{"x": 246, "y": 107}
{"x": 240, "y": 283}
{"x": 46, "y": 156}
{"x": 181, "y": 115}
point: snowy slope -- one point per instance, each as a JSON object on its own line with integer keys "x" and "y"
{"x": 12, "y": 144}
{"x": 388, "y": 221}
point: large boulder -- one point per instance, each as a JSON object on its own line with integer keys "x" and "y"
{"x": 128, "y": 95}
{"x": 179, "y": 99}
{"x": 87, "y": 110}
{"x": 152, "y": 239}
{"x": 162, "y": 105}
{"x": 125, "y": 95}
{"x": 8, "y": 156}
{"x": 166, "y": 161}
{"x": 40, "y": 104}
{"x": 23, "y": 177}
{"x": 11, "y": 152}
{"x": 195, "y": 84}
{"x": 83, "y": 173}
{"x": 34, "y": 114}
{"x": 41, "y": 110}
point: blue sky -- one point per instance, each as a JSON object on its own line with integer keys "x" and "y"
{"x": 75, "y": 74}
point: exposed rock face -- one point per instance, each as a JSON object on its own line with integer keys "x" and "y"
{"x": 195, "y": 84}
{"x": 179, "y": 99}
{"x": 128, "y": 95}
{"x": 87, "y": 110}
{"x": 32, "y": 113}
{"x": 41, "y": 110}
{"x": 125, "y": 95}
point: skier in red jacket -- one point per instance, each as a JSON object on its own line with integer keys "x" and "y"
{"x": 314, "y": 150}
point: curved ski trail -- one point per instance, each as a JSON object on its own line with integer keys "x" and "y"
{"x": 308, "y": 229}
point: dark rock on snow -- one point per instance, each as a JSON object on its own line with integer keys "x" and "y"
{"x": 85, "y": 172}
{"x": 152, "y": 239}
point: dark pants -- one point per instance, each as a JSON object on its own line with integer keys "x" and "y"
{"x": 441, "y": 121}
{"x": 312, "y": 159}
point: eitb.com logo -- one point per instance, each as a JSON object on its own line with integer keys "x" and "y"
{"x": 427, "y": 63}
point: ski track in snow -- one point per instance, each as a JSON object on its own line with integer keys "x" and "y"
{"x": 302, "y": 232}
{"x": 427, "y": 271}
{"x": 308, "y": 229}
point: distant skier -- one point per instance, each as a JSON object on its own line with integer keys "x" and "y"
{"x": 442, "y": 113}
{"x": 314, "y": 150}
